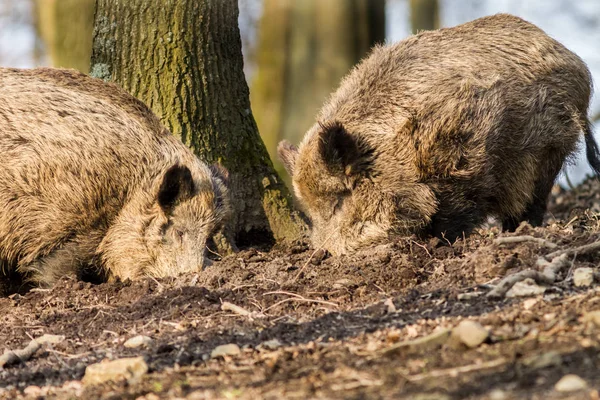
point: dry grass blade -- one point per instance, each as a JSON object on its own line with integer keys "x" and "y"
{"x": 296, "y": 297}
{"x": 321, "y": 247}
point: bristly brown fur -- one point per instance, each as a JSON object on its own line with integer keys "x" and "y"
{"x": 90, "y": 179}
{"x": 462, "y": 123}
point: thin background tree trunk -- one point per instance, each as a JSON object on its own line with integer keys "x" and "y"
{"x": 304, "y": 49}
{"x": 424, "y": 15}
{"x": 66, "y": 27}
{"x": 183, "y": 58}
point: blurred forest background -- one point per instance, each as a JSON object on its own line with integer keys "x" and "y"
{"x": 296, "y": 51}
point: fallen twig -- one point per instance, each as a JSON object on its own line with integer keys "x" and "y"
{"x": 67, "y": 355}
{"x": 302, "y": 301}
{"x": 422, "y": 246}
{"x": 227, "y": 306}
{"x": 585, "y": 249}
{"x": 16, "y": 356}
{"x": 453, "y": 372}
{"x": 296, "y": 297}
{"x": 525, "y": 238}
{"x": 548, "y": 276}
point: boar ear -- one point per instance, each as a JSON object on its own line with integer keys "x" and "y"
{"x": 177, "y": 184}
{"x": 288, "y": 153}
{"x": 220, "y": 172}
{"x": 340, "y": 151}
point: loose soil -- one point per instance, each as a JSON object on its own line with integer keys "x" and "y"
{"x": 325, "y": 327}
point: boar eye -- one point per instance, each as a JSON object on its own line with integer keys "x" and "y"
{"x": 338, "y": 204}
{"x": 339, "y": 201}
{"x": 179, "y": 234}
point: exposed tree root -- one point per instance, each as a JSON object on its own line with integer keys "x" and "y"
{"x": 548, "y": 276}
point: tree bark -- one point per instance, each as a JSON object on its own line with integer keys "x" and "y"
{"x": 66, "y": 27}
{"x": 424, "y": 15}
{"x": 183, "y": 58}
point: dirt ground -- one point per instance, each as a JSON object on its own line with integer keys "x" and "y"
{"x": 315, "y": 326}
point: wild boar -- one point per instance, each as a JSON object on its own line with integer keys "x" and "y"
{"x": 435, "y": 133}
{"x": 90, "y": 179}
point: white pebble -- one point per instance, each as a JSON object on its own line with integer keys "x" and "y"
{"x": 570, "y": 383}
{"x": 583, "y": 277}
{"x": 231, "y": 349}
{"x": 138, "y": 341}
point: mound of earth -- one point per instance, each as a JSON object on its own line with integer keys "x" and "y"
{"x": 297, "y": 323}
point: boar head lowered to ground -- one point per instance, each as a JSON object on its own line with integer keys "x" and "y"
{"x": 435, "y": 133}
{"x": 91, "y": 180}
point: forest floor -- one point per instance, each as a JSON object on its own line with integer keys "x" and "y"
{"x": 300, "y": 324}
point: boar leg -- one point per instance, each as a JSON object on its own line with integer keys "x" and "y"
{"x": 72, "y": 258}
{"x": 535, "y": 211}
{"x": 534, "y": 215}
{"x": 455, "y": 220}
{"x": 47, "y": 270}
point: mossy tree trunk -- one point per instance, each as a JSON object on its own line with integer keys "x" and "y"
{"x": 424, "y": 15}
{"x": 66, "y": 27}
{"x": 304, "y": 49}
{"x": 183, "y": 58}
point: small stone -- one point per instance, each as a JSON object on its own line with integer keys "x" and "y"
{"x": 390, "y": 307}
{"x": 429, "y": 342}
{"x": 72, "y": 385}
{"x": 272, "y": 344}
{"x": 525, "y": 288}
{"x": 231, "y": 349}
{"x": 130, "y": 369}
{"x": 393, "y": 336}
{"x": 33, "y": 391}
{"x": 149, "y": 396}
{"x": 138, "y": 341}
{"x": 468, "y": 296}
{"x": 342, "y": 283}
{"x": 570, "y": 383}
{"x": 545, "y": 360}
{"x": 470, "y": 333}
{"x": 50, "y": 339}
{"x": 318, "y": 257}
{"x": 593, "y": 317}
{"x": 430, "y": 396}
{"x": 75, "y": 387}
{"x": 583, "y": 277}
{"x": 529, "y": 303}
{"x": 498, "y": 394}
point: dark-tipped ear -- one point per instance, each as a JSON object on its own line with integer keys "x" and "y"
{"x": 340, "y": 151}
{"x": 177, "y": 185}
{"x": 288, "y": 153}
{"x": 220, "y": 172}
